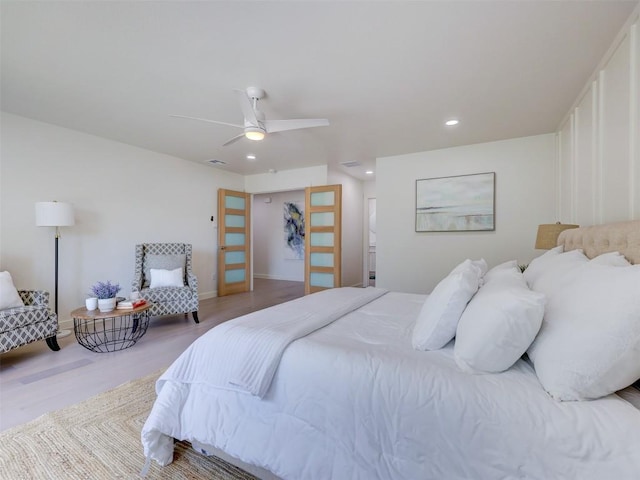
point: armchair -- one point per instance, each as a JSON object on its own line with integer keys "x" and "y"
{"x": 34, "y": 321}
{"x": 166, "y": 300}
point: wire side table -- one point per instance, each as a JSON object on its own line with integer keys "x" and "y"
{"x": 110, "y": 331}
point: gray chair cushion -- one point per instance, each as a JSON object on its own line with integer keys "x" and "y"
{"x": 178, "y": 295}
{"x": 162, "y": 262}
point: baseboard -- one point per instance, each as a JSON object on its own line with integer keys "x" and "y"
{"x": 266, "y": 276}
{"x": 66, "y": 324}
{"x": 205, "y": 295}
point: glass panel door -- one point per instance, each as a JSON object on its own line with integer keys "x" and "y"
{"x": 323, "y": 239}
{"x": 233, "y": 242}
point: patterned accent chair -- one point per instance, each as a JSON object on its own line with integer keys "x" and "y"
{"x": 166, "y": 300}
{"x": 34, "y": 321}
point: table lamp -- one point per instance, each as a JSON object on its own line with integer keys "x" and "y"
{"x": 548, "y": 234}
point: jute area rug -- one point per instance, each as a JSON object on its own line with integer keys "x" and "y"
{"x": 100, "y": 439}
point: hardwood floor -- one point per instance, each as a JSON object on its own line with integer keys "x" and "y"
{"x": 35, "y": 380}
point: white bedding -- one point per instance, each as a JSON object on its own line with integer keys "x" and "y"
{"x": 354, "y": 400}
{"x": 244, "y": 353}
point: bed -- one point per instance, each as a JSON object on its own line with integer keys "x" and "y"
{"x": 344, "y": 393}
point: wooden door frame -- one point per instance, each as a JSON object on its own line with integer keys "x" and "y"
{"x": 336, "y": 229}
{"x": 247, "y": 248}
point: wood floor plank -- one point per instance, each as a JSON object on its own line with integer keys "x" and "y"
{"x": 35, "y": 380}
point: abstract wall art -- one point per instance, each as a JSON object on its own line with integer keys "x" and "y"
{"x": 293, "y": 215}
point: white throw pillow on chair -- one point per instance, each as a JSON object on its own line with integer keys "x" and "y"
{"x": 166, "y": 278}
{"x": 9, "y": 297}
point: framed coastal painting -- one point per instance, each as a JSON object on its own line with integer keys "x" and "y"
{"x": 463, "y": 203}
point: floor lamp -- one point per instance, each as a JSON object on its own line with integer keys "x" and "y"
{"x": 55, "y": 214}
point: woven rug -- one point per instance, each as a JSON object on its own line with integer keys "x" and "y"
{"x": 100, "y": 439}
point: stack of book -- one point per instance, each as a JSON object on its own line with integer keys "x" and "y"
{"x": 131, "y": 304}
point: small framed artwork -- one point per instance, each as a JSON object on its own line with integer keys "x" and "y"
{"x": 464, "y": 203}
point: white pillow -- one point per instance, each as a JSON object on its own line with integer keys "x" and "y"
{"x": 438, "y": 319}
{"x": 589, "y": 343}
{"x": 9, "y": 297}
{"x": 510, "y": 265}
{"x": 615, "y": 259}
{"x": 499, "y": 323}
{"x": 481, "y": 264}
{"x": 556, "y": 271}
{"x": 166, "y": 278}
{"x": 537, "y": 265}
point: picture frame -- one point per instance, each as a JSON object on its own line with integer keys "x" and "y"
{"x": 461, "y": 203}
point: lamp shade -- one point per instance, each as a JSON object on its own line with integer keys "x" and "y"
{"x": 548, "y": 234}
{"x": 54, "y": 214}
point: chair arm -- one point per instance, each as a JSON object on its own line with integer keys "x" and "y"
{"x": 34, "y": 297}
{"x": 192, "y": 281}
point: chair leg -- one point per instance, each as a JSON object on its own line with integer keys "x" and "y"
{"x": 53, "y": 343}
{"x": 195, "y": 317}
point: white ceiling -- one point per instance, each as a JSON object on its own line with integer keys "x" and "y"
{"x": 386, "y": 74}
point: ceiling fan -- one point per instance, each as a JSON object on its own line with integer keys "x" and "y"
{"x": 255, "y": 125}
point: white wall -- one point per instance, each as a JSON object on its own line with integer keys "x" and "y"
{"x": 525, "y": 197}
{"x": 268, "y": 237}
{"x": 352, "y": 229}
{"x": 599, "y": 140}
{"x": 122, "y": 196}
{"x": 284, "y": 180}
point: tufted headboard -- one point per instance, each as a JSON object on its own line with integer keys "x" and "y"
{"x": 623, "y": 237}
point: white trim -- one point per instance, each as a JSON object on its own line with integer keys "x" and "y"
{"x": 634, "y": 97}
{"x": 633, "y": 18}
{"x": 266, "y": 276}
{"x": 600, "y": 151}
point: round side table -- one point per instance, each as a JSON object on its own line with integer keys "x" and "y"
{"x": 110, "y": 331}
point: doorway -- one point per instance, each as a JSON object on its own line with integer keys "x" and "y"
{"x": 371, "y": 256}
{"x": 278, "y": 239}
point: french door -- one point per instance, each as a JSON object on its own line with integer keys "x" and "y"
{"x": 234, "y": 242}
{"x": 323, "y": 238}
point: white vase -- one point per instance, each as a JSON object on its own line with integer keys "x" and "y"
{"x": 106, "y": 304}
{"x": 91, "y": 303}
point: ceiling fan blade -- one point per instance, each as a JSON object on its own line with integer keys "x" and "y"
{"x": 232, "y": 140}
{"x": 282, "y": 125}
{"x": 208, "y": 121}
{"x": 247, "y": 108}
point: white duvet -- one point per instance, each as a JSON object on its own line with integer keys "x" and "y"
{"x": 354, "y": 400}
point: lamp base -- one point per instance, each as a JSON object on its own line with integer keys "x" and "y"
{"x": 63, "y": 333}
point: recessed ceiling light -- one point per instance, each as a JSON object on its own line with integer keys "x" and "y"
{"x": 251, "y": 156}
{"x": 369, "y": 172}
{"x": 451, "y": 123}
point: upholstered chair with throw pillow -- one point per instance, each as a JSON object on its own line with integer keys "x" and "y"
{"x": 25, "y": 316}
{"x": 163, "y": 276}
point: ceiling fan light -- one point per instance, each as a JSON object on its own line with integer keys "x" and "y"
{"x": 254, "y": 134}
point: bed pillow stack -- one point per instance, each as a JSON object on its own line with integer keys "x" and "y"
{"x": 499, "y": 323}
{"x": 437, "y": 322}
{"x": 589, "y": 342}
{"x": 553, "y": 269}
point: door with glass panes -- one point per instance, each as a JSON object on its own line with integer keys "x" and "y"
{"x": 234, "y": 242}
{"x": 323, "y": 238}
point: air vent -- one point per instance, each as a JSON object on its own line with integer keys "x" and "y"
{"x": 217, "y": 162}
{"x": 350, "y": 164}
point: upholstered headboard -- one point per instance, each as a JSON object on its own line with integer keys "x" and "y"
{"x": 623, "y": 237}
